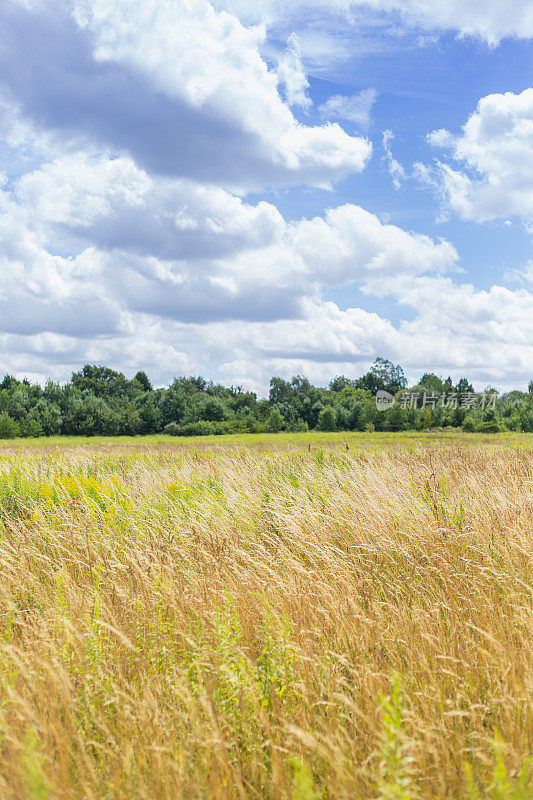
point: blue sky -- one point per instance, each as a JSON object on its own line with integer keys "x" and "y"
{"x": 241, "y": 189}
{"x": 423, "y": 88}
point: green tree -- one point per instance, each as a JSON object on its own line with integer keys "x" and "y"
{"x": 469, "y": 425}
{"x": 30, "y": 426}
{"x": 464, "y": 385}
{"x": 91, "y": 416}
{"x": 9, "y": 428}
{"x": 8, "y": 382}
{"x": 49, "y": 417}
{"x": 396, "y": 418}
{"x": 432, "y": 383}
{"x": 280, "y": 391}
{"x": 143, "y": 381}
{"x": 341, "y": 418}
{"x": 101, "y": 381}
{"x": 213, "y": 410}
{"x": 275, "y": 421}
{"x": 390, "y": 375}
{"x": 326, "y": 419}
{"x": 355, "y": 417}
{"x": 340, "y": 383}
{"x": 149, "y": 413}
{"x": 130, "y": 423}
{"x": 425, "y": 420}
{"x": 172, "y": 406}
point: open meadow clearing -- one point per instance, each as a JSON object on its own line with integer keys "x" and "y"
{"x": 248, "y": 618}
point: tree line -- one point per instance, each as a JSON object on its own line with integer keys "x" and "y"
{"x": 100, "y": 401}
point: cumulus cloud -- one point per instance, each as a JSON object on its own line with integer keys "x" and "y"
{"x": 113, "y": 204}
{"x": 355, "y": 108}
{"x": 494, "y": 152}
{"x": 169, "y": 275}
{"x": 498, "y": 316}
{"x": 350, "y": 244}
{"x": 455, "y": 329}
{"x": 140, "y": 244}
{"x": 171, "y": 248}
{"x": 125, "y": 238}
{"x": 487, "y": 333}
{"x": 41, "y": 291}
{"x": 144, "y": 247}
{"x": 133, "y": 294}
{"x": 181, "y": 87}
{"x": 155, "y": 348}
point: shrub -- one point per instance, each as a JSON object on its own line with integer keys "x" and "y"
{"x": 275, "y": 421}
{"x": 172, "y": 429}
{"x": 203, "y": 428}
{"x": 326, "y": 419}
{"x": 300, "y": 426}
{"x": 490, "y": 426}
{"x": 469, "y": 425}
{"x": 200, "y": 428}
{"x": 9, "y": 429}
{"x": 425, "y": 420}
{"x": 30, "y": 428}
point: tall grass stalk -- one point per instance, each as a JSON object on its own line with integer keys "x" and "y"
{"x": 265, "y": 624}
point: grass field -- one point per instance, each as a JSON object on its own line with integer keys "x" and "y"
{"x": 245, "y": 618}
{"x": 277, "y": 441}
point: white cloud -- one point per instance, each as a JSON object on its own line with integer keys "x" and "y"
{"x": 124, "y": 242}
{"x": 456, "y": 330}
{"x": 148, "y": 253}
{"x": 350, "y": 244}
{"x": 496, "y": 317}
{"x": 355, "y": 108}
{"x": 488, "y": 337}
{"x": 495, "y": 150}
{"x": 291, "y": 74}
{"x": 180, "y": 87}
{"x": 183, "y": 235}
{"x": 212, "y": 63}
{"x": 113, "y": 204}
{"x": 396, "y": 170}
{"x": 41, "y": 356}
{"x": 136, "y": 292}
{"x": 491, "y": 20}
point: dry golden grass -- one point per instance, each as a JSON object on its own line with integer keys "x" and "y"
{"x": 292, "y": 626}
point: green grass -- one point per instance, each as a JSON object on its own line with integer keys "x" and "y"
{"x": 282, "y": 440}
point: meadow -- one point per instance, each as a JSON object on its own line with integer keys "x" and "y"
{"x": 270, "y": 616}
{"x": 275, "y": 441}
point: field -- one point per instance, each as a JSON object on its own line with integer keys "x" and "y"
{"x": 251, "y": 618}
{"x": 276, "y": 441}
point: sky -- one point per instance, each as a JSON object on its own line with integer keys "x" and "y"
{"x": 247, "y": 188}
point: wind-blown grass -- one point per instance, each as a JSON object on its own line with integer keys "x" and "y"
{"x": 294, "y": 625}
